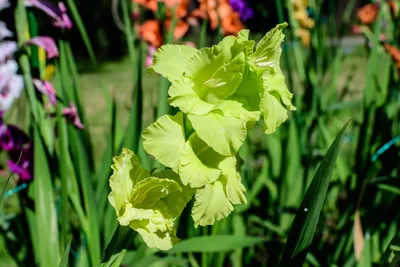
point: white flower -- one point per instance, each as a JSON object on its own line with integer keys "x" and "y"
{"x": 11, "y": 84}
{"x": 4, "y": 32}
{"x": 7, "y": 50}
{"x": 4, "y": 4}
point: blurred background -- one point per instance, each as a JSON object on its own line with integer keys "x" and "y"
{"x": 341, "y": 60}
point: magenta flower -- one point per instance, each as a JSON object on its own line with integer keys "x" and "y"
{"x": 47, "y": 43}
{"x": 58, "y": 14}
{"x": 11, "y": 84}
{"x": 71, "y": 113}
{"x": 15, "y": 141}
{"x": 151, "y": 49}
{"x": 47, "y": 89}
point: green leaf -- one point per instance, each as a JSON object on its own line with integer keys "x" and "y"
{"x": 170, "y": 60}
{"x": 216, "y": 243}
{"x": 165, "y": 140}
{"x": 122, "y": 237}
{"x": 227, "y": 134}
{"x": 64, "y": 260}
{"x": 391, "y": 258}
{"x": 211, "y": 204}
{"x": 303, "y": 229}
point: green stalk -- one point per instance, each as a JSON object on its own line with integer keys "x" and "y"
{"x": 82, "y": 30}
{"x": 21, "y": 27}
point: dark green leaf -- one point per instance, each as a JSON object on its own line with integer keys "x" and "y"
{"x": 303, "y": 228}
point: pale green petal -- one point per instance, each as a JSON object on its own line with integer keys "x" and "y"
{"x": 183, "y": 96}
{"x": 234, "y": 187}
{"x": 243, "y": 40}
{"x": 165, "y": 139}
{"x": 158, "y": 231}
{"x": 251, "y": 88}
{"x": 176, "y": 201}
{"x": 131, "y": 214}
{"x": 274, "y": 81}
{"x": 224, "y": 134}
{"x": 211, "y": 203}
{"x": 239, "y": 108}
{"x": 192, "y": 170}
{"x": 127, "y": 171}
{"x": 214, "y": 74}
{"x": 160, "y": 240}
{"x": 170, "y": 60}
{"x": 149, "y": 191}
{"x": 273, "y": 111}
{"x": 268, "y": 50}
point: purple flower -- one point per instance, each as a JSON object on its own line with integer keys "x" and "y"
{"x": 23, "y": 168}
{"x": 47, "y": 89}
{"x": 11, "y": 84}
{"x": 4, "y": 32}
{"x": 47, "y": 43}
{"x": 19, "y": 148}
{"x": 240, "y": 6}
{"x": 58, "y": 14}
{"x": 71, "y": 113}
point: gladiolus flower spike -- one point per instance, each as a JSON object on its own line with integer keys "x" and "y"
{"x": 221, "y": 92}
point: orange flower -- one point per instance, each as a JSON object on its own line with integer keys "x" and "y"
{"x": 230, "y": 20}
{"x": 149, "y": 4}
{"x": 304, "y": 35}
{"x": 150, "y": 31}
{"x": 395, "y": 53}
{"x": 368, "y": 13}
{"x": 180, "y": 30}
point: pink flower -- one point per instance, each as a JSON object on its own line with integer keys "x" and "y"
{"x": 47, "y": 89}
{"x": 47, "y": 43}
{"x": 11, "y": 84}
{"x": 71, "y": 113}
{"x": 151, "y": 49}
{"x": 58, "y": 14}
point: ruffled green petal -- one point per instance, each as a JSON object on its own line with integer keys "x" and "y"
{"x": 183, "y": 96}
{"x": 268, "y": 50}
{"x": 165, "y": 139}
{"x": 149, "y": 191}
{"x": 274, "y": 81}
{"x": 170, "y": 60}
{"x": 176, "y": 201}
{"x": 131, "y": 214}
{"x": 127, "y": 171}
{"x": 192, "y": 170}
{"x": 211, "y": 204}
{"x": 224, "y": 134}
{"x": 160, "y": 240}
{"x": 234, "y": 187}
{"x": 273, "y": 111}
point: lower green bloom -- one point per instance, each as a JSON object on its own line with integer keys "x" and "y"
{"x": 148, "y": 203}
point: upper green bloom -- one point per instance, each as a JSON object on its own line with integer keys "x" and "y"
{"x": 148, "y": 203}
{"x": 227, "y": 87}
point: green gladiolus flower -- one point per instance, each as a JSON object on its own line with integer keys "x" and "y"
{"x": 148, "y": 203}
{"x": 214, "y": 176}
{"x": 227, "y": 87}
